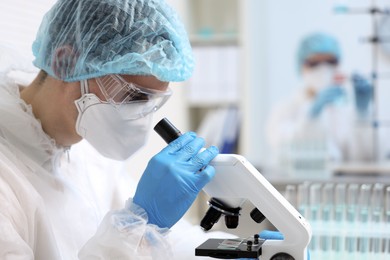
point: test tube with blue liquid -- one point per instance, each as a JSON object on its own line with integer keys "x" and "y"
{"x": 291, "y": 195}
{"x": 340, "y": 217}
{"x": 303, "y": 199}
{"x": 377, "y": 210}
{"x": 364, "y": 218}
{"x": 327, "y": 216}
{"x": 351, "y": 216}
{"x": 314, "y": 214}
{"x": 387, "y": 220}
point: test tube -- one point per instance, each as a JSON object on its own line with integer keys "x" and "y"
{"x": 340, "y": 200}
{"x": 352, "y": 200}
{"x": 327, "y": 215}
{"x": 377, "y": 210}
{"x": 364, "y": 217}
{"x": 314, "y": 215}
{"x": 327, "y": 202}
{"x": 303, "y": 199}
{"x": 377, "y": 202}
{"x": 387, "y": 220}
{"x": 387, "y": 213}
{"x": 340, "y": 216}
{"x": 364, "y": 203}
{"x": 315, "y": 201}
{"x": 291, "y": 195}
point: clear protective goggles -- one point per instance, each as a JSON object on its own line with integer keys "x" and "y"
{"x": 120, "y": 93}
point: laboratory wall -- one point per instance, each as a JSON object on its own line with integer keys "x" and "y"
{"x": 19, "y": 21}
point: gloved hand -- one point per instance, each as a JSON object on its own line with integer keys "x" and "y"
{"x": 326, "y": 97}
{"x": 173, "y": 179}
{"x": 363, "y": 93}
{"x": 275, "y": 235}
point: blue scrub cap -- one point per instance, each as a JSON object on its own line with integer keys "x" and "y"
{"x": 317, "y": 43}
{"x": 81, "y": 39}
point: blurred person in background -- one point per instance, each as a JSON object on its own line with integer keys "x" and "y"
{"x": 316, "y": 124}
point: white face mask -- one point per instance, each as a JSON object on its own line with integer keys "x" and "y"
{"x": 320, "y": 77}
{"x": 108, "y": 130}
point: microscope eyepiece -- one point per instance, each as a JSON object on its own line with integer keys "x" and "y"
{"x": 167, "y": 130}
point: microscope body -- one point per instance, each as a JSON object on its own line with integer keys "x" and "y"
{"x": 236, "y": 180}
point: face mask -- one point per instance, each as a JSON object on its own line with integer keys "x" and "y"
{"x": 108, "y": 128}
{"x": 320, "y": 77}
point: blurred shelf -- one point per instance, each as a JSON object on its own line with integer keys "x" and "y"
{"x": 362, "y": 169}
{"x": 214, "y": 40}
{"x": 212, "y": 103}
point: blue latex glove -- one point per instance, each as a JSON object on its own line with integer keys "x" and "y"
{"x": 325, "y": 97}
{"x": 363, "y": 93}
{"x": 267, "y": 234}
{"x": 275, "y": 235}
{"x": 173, "y": 179}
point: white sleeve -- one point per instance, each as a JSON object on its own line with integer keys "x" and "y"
{"x": 287, "y": 120}
{"x": 25, "y": 230}
{"x": 125, "y": 234}
{"x": 11, "y": 243}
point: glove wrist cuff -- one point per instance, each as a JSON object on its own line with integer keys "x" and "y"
{"x": 140, "y": 212}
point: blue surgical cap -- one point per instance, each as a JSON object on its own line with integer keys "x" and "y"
{"x": 81, "y": 39}
{"x": 317, "y": 43}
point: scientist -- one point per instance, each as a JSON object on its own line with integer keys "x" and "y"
{"x": 104, "y": 67}
{"x": 320, "y": 114}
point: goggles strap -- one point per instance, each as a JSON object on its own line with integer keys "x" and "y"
{"x": 84, "y": 86}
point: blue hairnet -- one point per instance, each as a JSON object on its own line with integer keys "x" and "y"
{"x": 317, "y": 43}
{"x": 81, "y": 39}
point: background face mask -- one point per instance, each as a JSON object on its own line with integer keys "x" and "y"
{"x": 320, "y": 77}
{"x": 107, "y": 129}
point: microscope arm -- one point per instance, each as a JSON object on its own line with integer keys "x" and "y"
{"x": 237, "y": 179}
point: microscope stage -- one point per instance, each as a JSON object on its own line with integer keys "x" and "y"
{"x": 230, "y": 248}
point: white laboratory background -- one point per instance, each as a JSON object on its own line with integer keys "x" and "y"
{"x": 257, "y": 62}
{"x": 263, "y": 56}
{"x": 263, "y": 50}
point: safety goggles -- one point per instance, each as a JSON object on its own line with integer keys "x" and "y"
{"x": 315, "y": 63}
{"x": 120, "y": 93}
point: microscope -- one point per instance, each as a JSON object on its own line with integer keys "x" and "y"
{"x": 237, "y": 180}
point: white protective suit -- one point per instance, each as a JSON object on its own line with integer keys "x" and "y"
{"x": 342, "y": 136}
{"x": 55, "y": 207}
